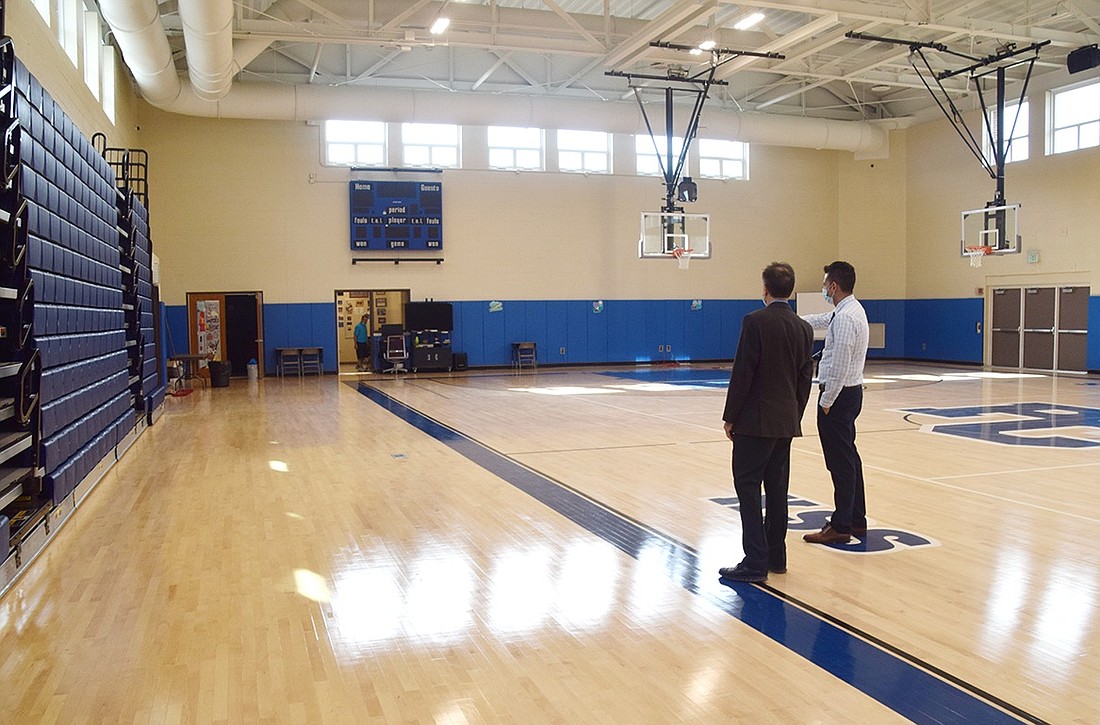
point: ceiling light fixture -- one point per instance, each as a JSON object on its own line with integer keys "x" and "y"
{"x": 748, "y": 21}
{"x": 880, "y": 88}
{"x": 707, "y": 45}
{"x": 439, "y": 25}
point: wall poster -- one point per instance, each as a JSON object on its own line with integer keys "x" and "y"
{"x": 209, "y": 326}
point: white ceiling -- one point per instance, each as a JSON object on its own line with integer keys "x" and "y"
{"x": 563, "y": 48}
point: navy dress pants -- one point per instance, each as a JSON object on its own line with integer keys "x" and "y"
{"x": 837, "y": 431}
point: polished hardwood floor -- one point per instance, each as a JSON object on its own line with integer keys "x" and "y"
{"x": 544, "y": 546}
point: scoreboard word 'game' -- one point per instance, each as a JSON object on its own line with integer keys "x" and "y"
{"x": 387, "y": 215}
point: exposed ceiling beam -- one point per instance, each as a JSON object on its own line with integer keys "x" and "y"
{"x": 289, "y": 56}
{"x": 1083, "y": 17}
{"x": 954, "y": 22}
{"x": 922, "y": 9}
{"x": 485, "y": 76}
{"x": 846, "y": 77}
{"x": 572, "y": 22}
{"x": 325, "y": 12}
{"x": 396, "y": 21}
{"x": 316, "y": 62}
{"x": 377, "y": 66}
{"x": 665, "y": 26}
{"x": 820, "y": 25}
{"x": 520, "y": 71}
{"x": 482, "y": 40}
{"x": 823, "y": 43}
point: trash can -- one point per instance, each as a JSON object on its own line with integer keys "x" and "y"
{"x": 253, "y": 370}
{"x": 219, "y": 373}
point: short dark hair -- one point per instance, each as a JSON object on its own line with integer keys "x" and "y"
{"x": 779, "y": 280}
{"x": 843, "y": 274}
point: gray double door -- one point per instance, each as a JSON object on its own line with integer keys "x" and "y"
{"x": 1040, "y": 328}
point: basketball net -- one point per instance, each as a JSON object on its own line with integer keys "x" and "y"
{"x": 976, "y": 254}
{"x": 683, "y": 256}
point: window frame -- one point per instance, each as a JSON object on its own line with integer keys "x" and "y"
{"x": 987, "y": 145}
{"x": 514, "y": 150}
{"x": 43, "y": 8}
{"x": 724, "y": 161}
{"x": 93, "y": 71}
{"x": 433, "y": 149}
{"x": 1052, "y": 129}
{"x": 658, "y": 157}
{"x": 107, "y": 72}
{"x": 376, "y": 141}
{"x": 70, "y": 28}
{"x": 606, "y": 153}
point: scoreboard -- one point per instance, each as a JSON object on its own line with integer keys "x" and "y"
{"x": 388, "y": 215}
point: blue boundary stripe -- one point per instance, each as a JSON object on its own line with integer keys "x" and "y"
{"x": 896, "y": 683}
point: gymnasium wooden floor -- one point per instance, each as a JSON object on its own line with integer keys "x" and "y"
{"x": 544, "y": 547}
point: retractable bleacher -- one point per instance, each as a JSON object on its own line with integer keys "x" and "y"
{"x": 79, "y": 371}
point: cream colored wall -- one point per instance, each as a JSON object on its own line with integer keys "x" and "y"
{"x": 246, "y": 205}
{"x": 873, "y": 218}
{"x": 37, "y": 46}
{"x": 233, "y": 207}
{"x": 1059, "y": 216}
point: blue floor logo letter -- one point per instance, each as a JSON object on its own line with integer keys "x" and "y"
{"x": 1017, "y": 424}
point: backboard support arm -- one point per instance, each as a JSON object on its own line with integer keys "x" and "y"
{"x": 996, "y": 64}
{"x": 670, "y": 164}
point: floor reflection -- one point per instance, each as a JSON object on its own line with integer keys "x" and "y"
{"x": 585, "y": 589}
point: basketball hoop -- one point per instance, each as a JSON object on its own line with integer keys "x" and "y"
{"x": 683, "y": 256}
{"x": 976, "y": 253}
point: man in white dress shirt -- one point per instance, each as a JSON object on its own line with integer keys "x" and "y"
{"x": 840, "y": 381}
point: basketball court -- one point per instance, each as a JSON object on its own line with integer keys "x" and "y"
{"x": 542, "y": 543}
{"x": 545, "y": 546}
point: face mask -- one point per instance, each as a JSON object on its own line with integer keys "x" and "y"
{"x": 826, "y": 295}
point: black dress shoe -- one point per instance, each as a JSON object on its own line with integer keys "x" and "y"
{"x": 777, "y": 569}
{"x": 741, "y": 574}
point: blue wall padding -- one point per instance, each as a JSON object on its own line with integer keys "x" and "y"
{"x": 944, "y": 329}
{"x": 634, "y": 331}
{"x": 1093, "y": 355}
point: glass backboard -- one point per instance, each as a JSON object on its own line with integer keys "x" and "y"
{"x": 662, "y": 233}
{"x": 996, "y": 227}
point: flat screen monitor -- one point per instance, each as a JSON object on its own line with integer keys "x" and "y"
{"x": 429, "y": 316}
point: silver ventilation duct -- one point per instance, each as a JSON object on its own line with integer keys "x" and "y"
{"x": 140, "y": 35}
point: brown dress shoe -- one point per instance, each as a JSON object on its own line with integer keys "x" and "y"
{"x": 859, "y": 531}
{"x": 827, "y": 535}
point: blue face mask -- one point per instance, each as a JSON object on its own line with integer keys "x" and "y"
{"x": 826, "y": 295}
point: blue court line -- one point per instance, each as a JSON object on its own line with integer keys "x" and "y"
{"x": 896, "y": 683}
{"x": 674, "y": 376}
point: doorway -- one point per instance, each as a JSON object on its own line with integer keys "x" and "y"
{"x": 228, "y": 326}
{"x": 1040, "y": 328}
{"x": 383, "y": 307}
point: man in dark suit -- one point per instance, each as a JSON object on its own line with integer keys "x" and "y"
{"x": 767, "y": 394}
